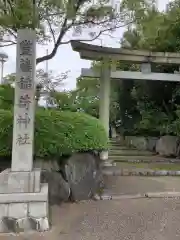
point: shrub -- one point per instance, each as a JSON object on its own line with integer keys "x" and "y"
{"x": 57, "y": 133}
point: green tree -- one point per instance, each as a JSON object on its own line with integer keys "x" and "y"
{"x": 87, "y": 95}
{"x": 151, "y": 104}
{"x": 6, "y": 96}
{"x": 63, "y": 100}
{"x": 47, "y": 83}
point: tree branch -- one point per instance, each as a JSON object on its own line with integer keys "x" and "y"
{"x": 4, "y": 42}
{"x": 11, "y": 32}
{"x": 13, "y": 13}
{"x": 58, "y": 43}
{"x": 7, "y": 45}
{"x": 51, "y": 30}
{"x": 64, "y": 29}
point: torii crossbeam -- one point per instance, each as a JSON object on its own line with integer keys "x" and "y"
{"x": 124, "y": 75}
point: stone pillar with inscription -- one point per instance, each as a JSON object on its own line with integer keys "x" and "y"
{"x": 23, "y": 198}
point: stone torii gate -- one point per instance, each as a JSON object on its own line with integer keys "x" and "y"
{"x": 145, "y": 58}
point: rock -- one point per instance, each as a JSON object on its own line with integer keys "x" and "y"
{"x": 151, "y": 143}
{"x": 83, "y": 173}
{"x": 46, "y": 165}
{"x": 59, "y": 189}
{"x": 167, "y": 146}
{"x": 163, "y": 173}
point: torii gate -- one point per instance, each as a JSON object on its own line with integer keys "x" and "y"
{"x": 145, "y": 58}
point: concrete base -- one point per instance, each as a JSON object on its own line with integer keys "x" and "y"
{"x": 23, "y": 202}
{"x": 21, "y": 212}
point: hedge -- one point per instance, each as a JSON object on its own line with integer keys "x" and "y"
{"x": 57, "y": 133}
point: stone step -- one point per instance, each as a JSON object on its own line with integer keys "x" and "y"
{"x": 144, "y": 159}
{"x": 116, "y": 145}
{"x": 115, "y": 141}
{"x": 120, "y": 147}
{"x": 129, "y": 152}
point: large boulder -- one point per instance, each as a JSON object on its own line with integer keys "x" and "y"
{"x": 59, "y": 189}
{"x": 82, "y": 171}
{"x": 167, "y": 146}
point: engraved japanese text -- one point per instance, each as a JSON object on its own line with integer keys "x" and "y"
{"x": 26, "y": 47}
{"x": 23, "y": 120}
{"x": 24, "y": 101}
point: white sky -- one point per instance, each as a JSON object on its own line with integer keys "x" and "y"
{"x": 65, "y": 58}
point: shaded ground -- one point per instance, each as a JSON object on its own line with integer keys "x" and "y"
{"x": 135, "y": 185}
{"x": 154, "y": 166}
{"x": 143, "y": 158}
{"x": 142, "y": 219}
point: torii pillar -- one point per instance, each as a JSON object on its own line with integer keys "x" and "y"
{"x": 105, "y": 87}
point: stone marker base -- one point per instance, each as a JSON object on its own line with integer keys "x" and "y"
{"x": 23, "y": 211}
{"x": 20, "y": 182}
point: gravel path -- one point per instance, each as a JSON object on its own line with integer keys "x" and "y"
{"x": 142, "y": 219}
{"x": 128, "y": 219}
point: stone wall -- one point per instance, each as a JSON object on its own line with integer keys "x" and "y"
{"x": 166, "y": 146}
{"x": 141, "y": 143}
